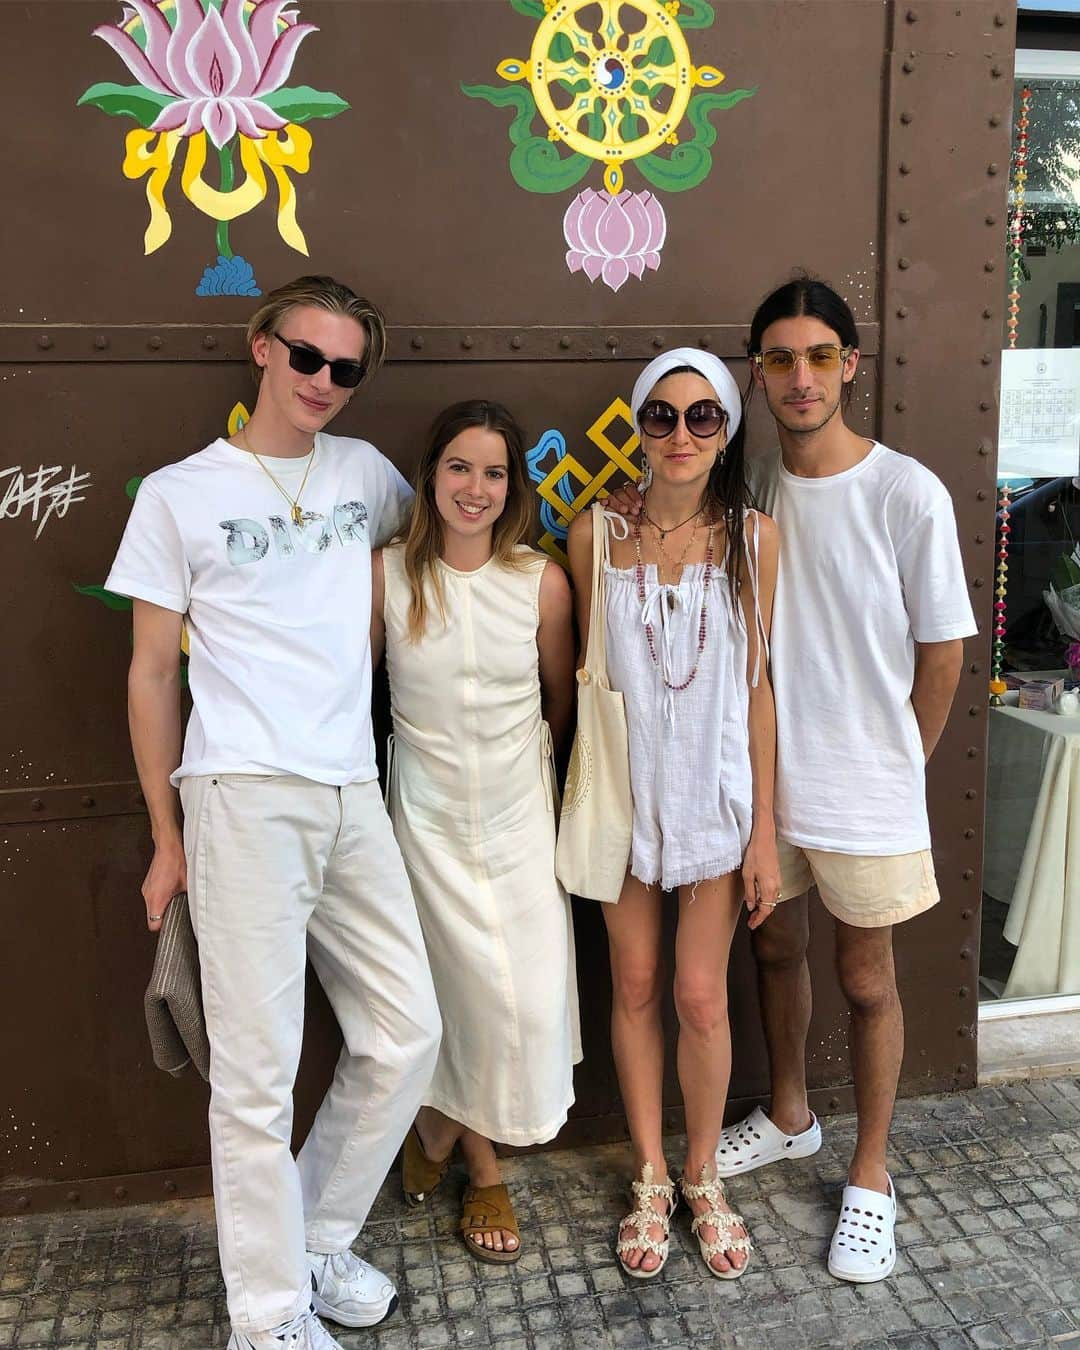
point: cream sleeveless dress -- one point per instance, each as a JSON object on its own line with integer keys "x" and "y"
{"x": 472, "y": 798}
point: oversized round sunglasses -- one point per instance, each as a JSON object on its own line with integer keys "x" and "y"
{"x": 824, "y": 357}
{"x": 309, "y": 361}
{"x": 659, "y": 419}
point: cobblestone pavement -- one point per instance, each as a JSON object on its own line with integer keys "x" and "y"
{"x": 988, "y": 1184}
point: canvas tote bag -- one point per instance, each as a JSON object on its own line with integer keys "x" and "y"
{"x": 596, "y": 823}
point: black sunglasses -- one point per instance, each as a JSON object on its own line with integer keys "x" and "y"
{"x": 309, "y": 361}
{"x": 659, "y": 419}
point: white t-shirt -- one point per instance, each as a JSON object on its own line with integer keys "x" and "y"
{"x": 869, "y": 565}
{"x": 277, "y": 614}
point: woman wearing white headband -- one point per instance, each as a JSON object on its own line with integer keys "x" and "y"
{"x": 689, "y": 590}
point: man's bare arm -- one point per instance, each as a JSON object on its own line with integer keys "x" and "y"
{"x": 937, "y": 673}
{"x": 154, "y": 720}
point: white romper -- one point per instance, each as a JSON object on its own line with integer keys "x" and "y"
{"x": 690, "y": 771}
{"x": 472, "y": 799}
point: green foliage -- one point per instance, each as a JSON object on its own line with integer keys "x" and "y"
{"x": 532, "y": 9}
{"x": 696, "y": 14}
{"x": 131, "y": 487}
{"x": 661, "y": 53}
{"x": 107, "y": 598}
{"x": 301, "y": 103}
{"x": 126, "y": 100}
{"x": 535, "y": 162}
{"x": 689, "y": 164}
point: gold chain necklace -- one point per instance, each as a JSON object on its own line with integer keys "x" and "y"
{"x": 294, "y": 502}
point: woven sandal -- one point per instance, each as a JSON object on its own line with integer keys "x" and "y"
{"x": 723, "y": 1222}
{"x": 641, "y": 1218}
{"x": 420, "y": 1175}
{"x": 487, "y": 1209}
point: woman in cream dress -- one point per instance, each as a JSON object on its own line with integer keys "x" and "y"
{"x": 479, "y": 649}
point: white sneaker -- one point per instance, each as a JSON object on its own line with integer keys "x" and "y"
{"x": 863, "y": 1247}
{"x": 349, "y": 1291}
{"x": 756, "y": 1141}
{"x": 304, "y": 1332}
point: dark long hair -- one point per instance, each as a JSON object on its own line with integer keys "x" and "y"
{"x": 726, "y": 493}
{"x": 424, "y": 534}
{"x": 804, "y": 296}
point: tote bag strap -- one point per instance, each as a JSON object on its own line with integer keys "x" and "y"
{"x": 596, "y": 652}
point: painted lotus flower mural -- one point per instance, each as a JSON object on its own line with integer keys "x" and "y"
{"x": 212, "y": 74}
{"x": 614, "y": 83}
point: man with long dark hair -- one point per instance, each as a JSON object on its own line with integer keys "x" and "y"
{"x": 261, "y": 547}
{"x": 870, "y": 612}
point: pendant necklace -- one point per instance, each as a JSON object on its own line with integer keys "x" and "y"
{"x": 294, "y": 502}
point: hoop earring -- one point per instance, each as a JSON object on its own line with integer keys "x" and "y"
{"x": 645, "y": 481}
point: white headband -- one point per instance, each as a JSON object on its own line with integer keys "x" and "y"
{"x": 709, "y": 367}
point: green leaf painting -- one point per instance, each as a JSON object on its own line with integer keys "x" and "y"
{"x": 302, "y": 103}
{"x": 535, "y": 162}
{"x": 126, "y": 100}
{"x": 689, "y": 164}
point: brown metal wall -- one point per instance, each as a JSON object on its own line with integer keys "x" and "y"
{"x": 875, "y": 152}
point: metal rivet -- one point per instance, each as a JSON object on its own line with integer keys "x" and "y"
{"x": 911, "y": 16}
{"x": 973, "y": 752}
{"x": 968, "y": 874}
{"x": 965, "y": 955}
{"x": 988, "y": 313}
{"x": 995, "y": 119}
{"x": 657, "y": 341}
{"x": 985, "y": 446}
{"x": 986, "y": 358}
{"x": 980, "y": 538}
{"x": 903, "y": 263}
{"x": 101, "y": 342}
{"x": 44, "y": 342}
{"x": 969, "y": 833}
{"x": 170, "y": 1186}
{"x": 975, "y": 667}
{"x": 900, "y": 404}
{"x": 515, "y": 342}
{"x": 981, "y": 495}
{"x": 73, "y": 1197}
{"x": 120, "y": 1192}
{"x": 991, "y": 219}
{"x": 961, "y": 1068}
{"x": 996, "y": 72}
{"x": 999, "y": 20}
{"x": 612, "y": 342}
{"x": 37, "y": 804}
{"x": 974, "y": 710}
{"x": 905, "y": 117}
{"x": 417, "y": 343}
{"x": 963, "y": 992}
{"x": 905, "y": 167}
{"x": 705, "y": 340}
{"x": 834, "y": 1103}
{"x": 902, "y": 312}
{"x": 907, "y": 67}
{"x": 467, "y": 342}
{"x": 564, "y": 343}
{"x": 901, "y": 359}
{"x": 991, "y": 168}
{"x": 984, "y": 405}
{"x": 989, "y": 266}
{"x": 970, "y": 794}
{"x": 154, "y": 343}
{"x": 88, "y": 800}
{"x": 904, "y": 215}
{"x": 966, "y": 913}
{"x": 209, "y": 342}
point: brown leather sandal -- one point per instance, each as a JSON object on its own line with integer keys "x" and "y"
{"x": 487, "y": 1209}
{"x": 420, "y": 1175}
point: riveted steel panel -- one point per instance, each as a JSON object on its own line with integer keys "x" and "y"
{"x": 111, "y": 365}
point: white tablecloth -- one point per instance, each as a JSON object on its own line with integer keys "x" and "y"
{"x": 1033, "y": 846}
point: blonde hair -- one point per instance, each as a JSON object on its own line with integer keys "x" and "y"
{"x": 424, "y": 536}
{"x": 321, "y": 293}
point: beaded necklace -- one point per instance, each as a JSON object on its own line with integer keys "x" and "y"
{"x": 639, "y": 577}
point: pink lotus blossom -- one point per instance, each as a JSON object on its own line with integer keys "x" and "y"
{"x": 612, "y": 237}
{"x": 213, "y": 63}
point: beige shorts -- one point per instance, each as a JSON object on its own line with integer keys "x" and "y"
{"x": 864, "y": 891}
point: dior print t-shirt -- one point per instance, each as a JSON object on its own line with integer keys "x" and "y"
{"x": 277, "y": 613}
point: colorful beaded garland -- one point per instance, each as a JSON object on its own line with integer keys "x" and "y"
{"x": 639, "y": 577}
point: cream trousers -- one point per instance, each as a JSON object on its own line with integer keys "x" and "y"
{"x": 281, "y": 869}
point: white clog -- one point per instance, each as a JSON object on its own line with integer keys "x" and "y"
{"x": 863, "y": 1247}
{"x": 756, "y": 1141}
